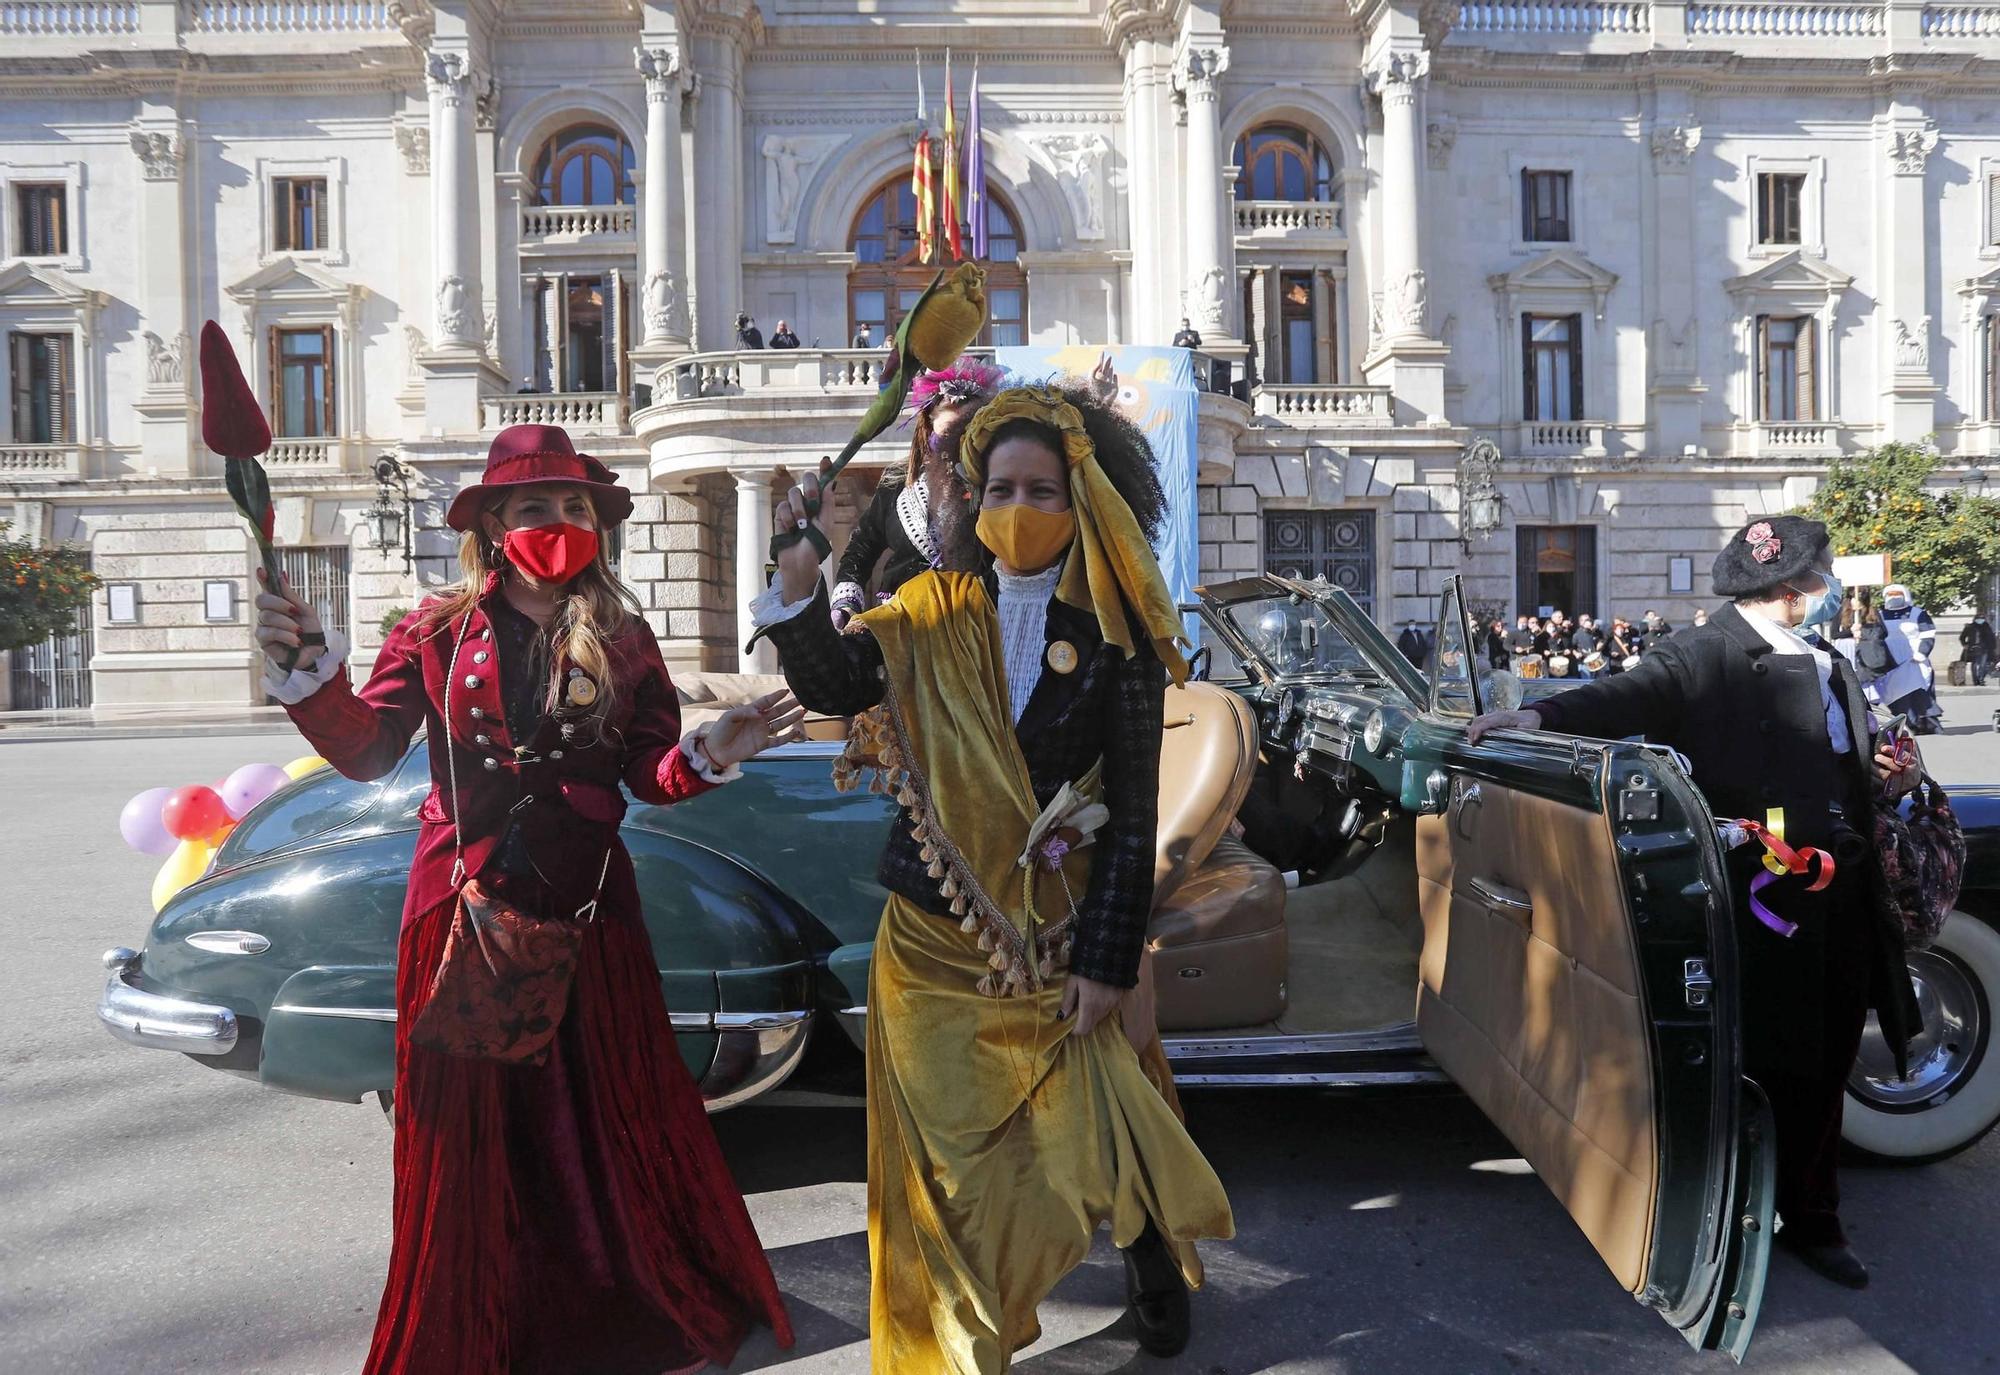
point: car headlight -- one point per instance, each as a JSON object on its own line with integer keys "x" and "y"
{"x": 1372, "y": 733}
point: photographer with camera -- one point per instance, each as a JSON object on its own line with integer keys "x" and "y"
{"x": 1776, "y": 730}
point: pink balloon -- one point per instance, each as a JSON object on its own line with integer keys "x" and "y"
{"x": 141, "y": 826}
{"x": 248, "y": 786}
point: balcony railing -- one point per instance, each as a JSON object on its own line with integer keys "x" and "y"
{"x": 1562, "y": 437}
{"x": 1961, "y": 21}
{"x": 1556, "y": 16}
{"x": 544, "y": 224}
{"x": 288, "y": 16}
{"x": 1794, "y": 438}
{"x": 580, "y": 412}
{"x": 1287, "y": 219}
{"x": 57, "y": 18}
{"x": 1762, "y": 19}
{"x": 1324, "y": 404}
{"x": 305, "y": 455}
{"x": 41, "y": 460}
{"x": 829, "y": 371}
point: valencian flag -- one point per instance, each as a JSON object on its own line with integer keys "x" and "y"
{"x": 233, "y": 425}
{"x": 920, "y": 178}
{"x": 975, "y": 170}
{"x": 952, "y": 239}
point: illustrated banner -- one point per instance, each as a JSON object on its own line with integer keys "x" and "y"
{"x": 1156, "y": 391}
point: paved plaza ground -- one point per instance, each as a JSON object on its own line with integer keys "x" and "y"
{"x": 161, "y": 1217}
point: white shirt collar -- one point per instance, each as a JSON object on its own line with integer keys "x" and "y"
{"x": 1780, "y": 637}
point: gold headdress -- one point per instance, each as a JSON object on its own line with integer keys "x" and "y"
{"x": 1111, "y": 566}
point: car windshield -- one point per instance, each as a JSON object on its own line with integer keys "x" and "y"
{"x": 1297, "y": 638}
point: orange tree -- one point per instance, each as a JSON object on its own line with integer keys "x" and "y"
{"x": 1943, "y": 540}
{"x": 41, "y": 590}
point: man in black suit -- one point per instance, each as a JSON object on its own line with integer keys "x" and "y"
{"x": 784, "y": 338}
{"x": 1415, "y": 644}
{"x": 1773, "y": 724}
{"x": 1187, "y": 336}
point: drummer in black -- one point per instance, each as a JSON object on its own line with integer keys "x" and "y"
{"x": 1774, "y": 726}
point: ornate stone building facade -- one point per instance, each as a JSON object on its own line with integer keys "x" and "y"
{"x": 1549, "y": 291}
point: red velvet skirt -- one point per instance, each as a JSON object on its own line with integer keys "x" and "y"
{"x": 572, "y": 1216}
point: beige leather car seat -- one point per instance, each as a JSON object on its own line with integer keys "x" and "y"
{"x": 1217, "y": 938}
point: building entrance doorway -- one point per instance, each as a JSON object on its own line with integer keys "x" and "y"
{"x": 1556, "y": 570}
{"x": 55, "y": 674}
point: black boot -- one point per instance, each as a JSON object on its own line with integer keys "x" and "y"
{"x": 1836, "y": 1262}
{"x": 1156, "y": 1295}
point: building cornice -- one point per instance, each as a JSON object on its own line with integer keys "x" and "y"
{"x": 1700, "y": 72}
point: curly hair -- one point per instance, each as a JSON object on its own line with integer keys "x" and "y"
{"x": 1122, "y": 451}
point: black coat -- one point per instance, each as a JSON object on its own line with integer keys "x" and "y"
{"x": 881, "y": 529}
{"x": 1752, "y": 725}
{"x": 1109, "y": 707}
{"x": 784, "y": 339}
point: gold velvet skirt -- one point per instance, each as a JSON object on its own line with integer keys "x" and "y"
{"x": 997, "y": 1144}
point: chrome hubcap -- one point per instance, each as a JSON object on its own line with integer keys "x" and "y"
{"x": 1948, "y": 1046}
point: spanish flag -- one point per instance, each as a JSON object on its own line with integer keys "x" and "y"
{"x": 920, "y": 178}
{"x": 952, "y": 231}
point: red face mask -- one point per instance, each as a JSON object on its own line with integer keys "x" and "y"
{"x": 551, "y": 553}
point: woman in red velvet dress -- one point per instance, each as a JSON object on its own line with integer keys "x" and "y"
{"x": 575, "y": 1215}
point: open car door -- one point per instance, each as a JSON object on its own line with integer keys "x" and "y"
{"x": 1578, "y": 981}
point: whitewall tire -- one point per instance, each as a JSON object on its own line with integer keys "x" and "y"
{"x": 1952, "y": 1097}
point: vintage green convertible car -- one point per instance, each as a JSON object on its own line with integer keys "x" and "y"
{"x": 1540, "y": 919}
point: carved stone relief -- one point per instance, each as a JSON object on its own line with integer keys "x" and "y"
{"x": 1440, "y": 138}
{"x": 1674, "y": 147}
{"x": 1080, "y": 161}
{"x": 159, "y": 154}
{"x": 1913, "y": 345}
{"x": 1910, "y": 149}
{"x": 166, "y": 363}
{"x": 413, "y": 141}
{"x": 789, "y": 163}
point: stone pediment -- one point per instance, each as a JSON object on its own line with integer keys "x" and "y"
{"x": 1798, "y": 273}
{"x": 1558, "y": 270}
{"x": 30, "y": 284}
{"x": 292, "y": 279}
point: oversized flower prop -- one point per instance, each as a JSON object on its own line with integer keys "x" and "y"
{"x": 233, "y": 425}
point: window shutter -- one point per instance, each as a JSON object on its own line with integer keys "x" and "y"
{"x": 326, "y": 353}
{"x": 281, "y": 217}
{"x": 1528, "y": 410}
{"x": 1527, "y": 206}
{"x": 61, "y": 404}
{"x": 1577, "y": 410}
{"x": 1760, "y": 369}
{"x": 277, "y": 407}
{"x": 1993, "y": 367}
{"x": 1803, "y": 351}
{"x": 24, "y": 392}
{"x": 1993, "y": 207}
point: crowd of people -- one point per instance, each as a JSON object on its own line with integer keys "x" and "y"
{"x": 1556, "y": 646}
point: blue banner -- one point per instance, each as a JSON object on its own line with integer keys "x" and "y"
{"x": 1156, "y": 391}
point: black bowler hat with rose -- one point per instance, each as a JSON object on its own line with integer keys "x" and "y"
{"x": 1768, "y": 552}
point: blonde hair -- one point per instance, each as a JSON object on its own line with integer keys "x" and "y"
{"x": 598, "y": 609}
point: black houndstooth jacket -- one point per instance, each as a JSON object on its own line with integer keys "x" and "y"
{"x": 1110, "y": 706}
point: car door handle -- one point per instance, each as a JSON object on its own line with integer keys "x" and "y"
{"x": 1498, "y": 896}
{"x": 1470, "y": 798}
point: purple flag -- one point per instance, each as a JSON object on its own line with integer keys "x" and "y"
{"x": 975, "y": 173}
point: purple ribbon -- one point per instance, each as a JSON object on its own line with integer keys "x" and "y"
{"x": 1764, "y": 879}
{"x": 1054, "y": 851}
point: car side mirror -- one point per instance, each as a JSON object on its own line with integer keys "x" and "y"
{"x": 1503, "y": 691}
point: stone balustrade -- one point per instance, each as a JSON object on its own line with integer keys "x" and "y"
{"x": 549, "y": 223}
{"x": 1324, "y": 404}
{"x": 60, "y": 18}
{"x": 1794, "y": 438}
{"x": 1288, "y": 219}
{"x": 41, "y": 460}
{"x": 1562, "y": 437}
{"x": 1785, "y": 19}
{"x": 288, "y": 16}
{"x": 819, "y": 372}
{"x": 1961, "y": 21}
{"x": 319, "y": 454}
{"x": 1556, "y": 16}
{"x": 577, "y": 412}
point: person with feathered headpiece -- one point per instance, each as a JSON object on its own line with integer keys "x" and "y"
{"x": 909, "y": 521}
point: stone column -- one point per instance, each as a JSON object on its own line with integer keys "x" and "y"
{"x": 753, "y": 547}
{"x": 455, "y": 278}
{"x": 1674, "y": 335}
{"x": 1909, "y": 390}
{"x": 159, "y": 145}
{"x": 1198, "y": 74}
{"x": 1403, "y": 353}
{"x": 664, "y": 292}
{"x": 718, "y": 211}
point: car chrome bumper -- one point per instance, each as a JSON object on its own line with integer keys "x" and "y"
{"x": 157, "y": 1021}
{"x": 754, "y": 1053}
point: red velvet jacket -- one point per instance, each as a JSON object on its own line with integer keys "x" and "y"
{"x": 576, "y": 806}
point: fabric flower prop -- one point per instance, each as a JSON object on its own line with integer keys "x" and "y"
{"x": 233, "y": 425}
{"x": 940, "y": 326}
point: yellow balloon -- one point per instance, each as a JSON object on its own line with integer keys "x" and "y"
{"x": 188, "y": 862}
{"x": 304, "y": 765}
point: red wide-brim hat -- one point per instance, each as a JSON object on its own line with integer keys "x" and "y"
{"x": 521, "y": 455}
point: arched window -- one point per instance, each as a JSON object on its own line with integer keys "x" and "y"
{"x": 1282, "y": 162}
{"x": 887, "y": 277}
{"x": 585, "y": 164}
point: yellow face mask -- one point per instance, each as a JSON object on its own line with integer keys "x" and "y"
{"x": 1025, "y": 537}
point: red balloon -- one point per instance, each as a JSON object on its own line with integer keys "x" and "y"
{"x": 193, "y": 813}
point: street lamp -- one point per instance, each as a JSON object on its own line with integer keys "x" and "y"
{"x": 389, "y": 518}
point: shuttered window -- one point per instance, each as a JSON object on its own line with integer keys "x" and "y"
{"x": 1993, "y": 208}
{"x": 302, "y": 382}
{"x": 1992, "y": 369}
{"x": 1552, "y": 367}
{"x": 43, "y": 384}
{"x": 1545, "y": 207}
{"x": 1780, "y": 196}
{"x": 1788, "y": 363}
{"x": 299, "y": 216}
{"x": 43, "y": 212}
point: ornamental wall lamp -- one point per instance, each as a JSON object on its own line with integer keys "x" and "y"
{"x": 389, "y": 518}
{"x": 1480, "y": 504}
